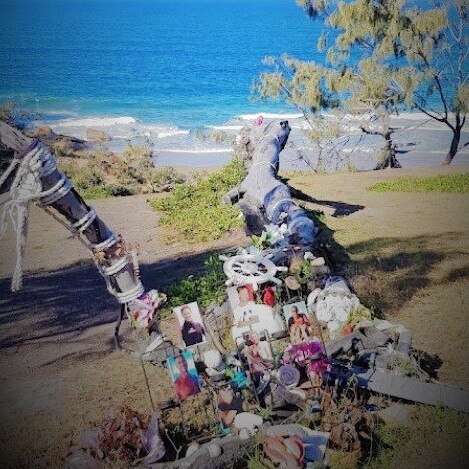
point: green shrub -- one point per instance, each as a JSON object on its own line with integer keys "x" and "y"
{"x": 99, "y": 173}
{"x": 161, "y": 179}
{"x": 88, "y": 177}
{"x": 120, "y": 190}
{"x": 204, "y": 289}
{"x": 100, "y": 192}
{"x": 195, "y": 212}
{"x": 62, "y": 148}
{"x": 136, "y": 165}
{"x": 455, "y": 183}
{"x": 70, "y": 168}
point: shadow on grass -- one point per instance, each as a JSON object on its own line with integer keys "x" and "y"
{"x": 73, "y": 299}
{"x": 334, "y": 253}
{"x": 341, "y": 209}
{"x": 387, "y": 272}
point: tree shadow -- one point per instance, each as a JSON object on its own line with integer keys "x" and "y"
{"x": 341, "y": 209}
{"x": 388, "y": 272}
{"x": 335, "y": 254}
{"x": 73, "y": 299}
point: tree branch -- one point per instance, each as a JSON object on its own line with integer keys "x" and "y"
{"x": 440, "y": 119}
{"x": 371, "y": 132}
{"x": 442, "y": 96}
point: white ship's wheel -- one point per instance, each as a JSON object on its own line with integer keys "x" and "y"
{"x": 250, "y": 269}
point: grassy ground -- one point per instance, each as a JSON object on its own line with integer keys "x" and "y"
{"x": 457, "y": 183}
{"x": 407, "y": 254}
{"x": 433, "y": 438}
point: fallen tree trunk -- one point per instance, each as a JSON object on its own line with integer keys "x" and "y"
{"x": 261, "y": 196}
{"x": 33, "y": 176}
{"x": 410, "y": 389}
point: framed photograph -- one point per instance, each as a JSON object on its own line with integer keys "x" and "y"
{"x": 184, "y": 375}
{"x": 229, "y": 405}
{"x": 258, "y": 353}
{"x": 190, "y": 324}
{"x": 244, "y": 296}
{"x": 298, "y": 322}
{"x": 254, "y": 311}
{"x": 241, "y": 296}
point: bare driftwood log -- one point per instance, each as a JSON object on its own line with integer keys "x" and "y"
{"x": 33, "y": 176}
{"x": 261, "y": 196}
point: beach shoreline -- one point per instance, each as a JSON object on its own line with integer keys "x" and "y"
{"x": 419, "y": 141}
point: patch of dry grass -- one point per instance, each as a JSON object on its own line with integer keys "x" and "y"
{"x": 58, "y": 413}
{"x": 409, "y": 258}
{"x": 435, "y": 437}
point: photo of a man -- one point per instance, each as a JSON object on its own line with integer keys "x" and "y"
{"x": 251, "y": 315}
{"x": 190, "y": 322}
{"x": 184, "y": 375}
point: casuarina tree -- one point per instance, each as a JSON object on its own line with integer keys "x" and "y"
{"x": 378, "y": 57}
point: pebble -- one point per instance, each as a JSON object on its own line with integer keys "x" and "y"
{"x": 214, "y": 450}
{"x": 247, "y": 420}
{"x": 318, "y": 262}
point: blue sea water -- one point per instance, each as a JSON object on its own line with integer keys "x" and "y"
{"x": 163, "y": 71}
{"x": 187, "y": 63}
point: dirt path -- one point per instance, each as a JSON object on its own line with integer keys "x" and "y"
{"x": 409, "y": 254}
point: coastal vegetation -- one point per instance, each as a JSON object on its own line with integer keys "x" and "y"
{"x": 195, "y": 212}
{"x": 379, "y": 58}
{"x": 98, "y": 173}
{"x": 206, "y": 288}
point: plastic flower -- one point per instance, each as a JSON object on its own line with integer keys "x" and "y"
{"x": 259, "y": 121}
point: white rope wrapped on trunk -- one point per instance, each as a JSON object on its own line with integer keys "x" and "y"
{"x": 82, "y": 224}
{"x": 25, "y": 188}
{"x": 32, "y": 167}
{"x": 106, "y": 244}
{"x": 131, "y": 295}
{"x": 35, "y": 178}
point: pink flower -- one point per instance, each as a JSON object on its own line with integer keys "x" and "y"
{"x": 259, "y": 121}
{"x": 319, "y": 366}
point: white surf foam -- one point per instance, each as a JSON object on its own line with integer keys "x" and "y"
{"x": 117, "y": 128}
{"x": 58, "y": 112}
{"x": 195, "y": 151}
{"x": 269, "y": 115}
{"x": 96, "y": 122}
{"x": 224, "y": 127}
{"x": 171, "y": 133}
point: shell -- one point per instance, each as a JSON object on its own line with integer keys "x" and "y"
{"x": 318, "y": 262}
{"x": 212, "y": 358}
{"x": 214, "y": 450}
{"x": 193, "y": 447}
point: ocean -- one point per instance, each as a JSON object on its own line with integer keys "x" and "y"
{"x": 184, "y": 63}
{"x": 161, "y": 72}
